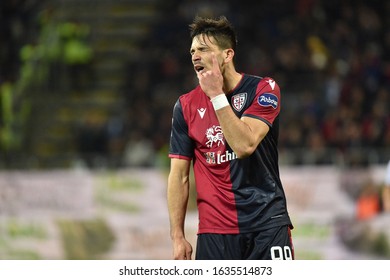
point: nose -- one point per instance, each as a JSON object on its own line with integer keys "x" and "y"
{"x": 195, "y": 57}
{"x": 195, "y": 54}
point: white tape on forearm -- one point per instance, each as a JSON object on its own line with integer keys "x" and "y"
{"x": 219, "y": 101}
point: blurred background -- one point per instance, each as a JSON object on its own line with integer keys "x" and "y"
{"x": 87, "y": 89}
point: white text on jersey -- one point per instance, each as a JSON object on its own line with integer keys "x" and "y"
{"x": 219, "y": 158}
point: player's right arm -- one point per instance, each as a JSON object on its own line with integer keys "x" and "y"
{"x": 177, "y": 197}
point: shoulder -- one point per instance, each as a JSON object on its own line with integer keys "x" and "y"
{"x": 189, "y": 96}
{"x": 262, "y": 83}
{"x": 191, "y": 99}
{"x": 268, "y": 84}
{"x": 185, "y": 103}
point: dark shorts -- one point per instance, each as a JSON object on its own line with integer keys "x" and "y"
{"x": 271, "y": 244}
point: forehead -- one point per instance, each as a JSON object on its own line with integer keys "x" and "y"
{"x": 203, "y": 40}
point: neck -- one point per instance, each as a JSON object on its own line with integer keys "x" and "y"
{"x": 231, "y": 79}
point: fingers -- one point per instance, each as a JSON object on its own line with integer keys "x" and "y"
{"x": 182, "y": 251}
{"x": 215, "y": 66}
{"x": 185, "y": 256}
{"x": 188, "y": 255}
{"x": 215, "y": 70}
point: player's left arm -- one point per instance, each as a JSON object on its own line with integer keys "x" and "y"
{"x": 255, "y": 121}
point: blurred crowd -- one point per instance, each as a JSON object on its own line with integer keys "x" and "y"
{"x": 330, "y": 58}
{"x": 18, "y": 26}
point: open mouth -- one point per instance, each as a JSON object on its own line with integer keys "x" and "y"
{"x": 198, "y": 68}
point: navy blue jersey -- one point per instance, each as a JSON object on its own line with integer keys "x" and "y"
{"x": 233, "y": 195}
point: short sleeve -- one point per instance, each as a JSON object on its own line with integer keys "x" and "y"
{"x": 266, "y": 104}
{"x": 181, "y": 145}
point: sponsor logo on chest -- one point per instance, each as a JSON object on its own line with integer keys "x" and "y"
{"x": 215, "y": 139}
{"x": 219, "y": 157}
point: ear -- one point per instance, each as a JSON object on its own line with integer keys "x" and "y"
{"x": 228, "y": 55}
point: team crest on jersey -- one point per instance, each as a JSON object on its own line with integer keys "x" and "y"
{"x": 214, "y": 135}
{"x": 238, "y": 101}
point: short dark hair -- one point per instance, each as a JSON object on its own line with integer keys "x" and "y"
{"x": 220, "y": 29}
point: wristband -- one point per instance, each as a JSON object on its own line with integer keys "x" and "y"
{"x": 219, "y": 101}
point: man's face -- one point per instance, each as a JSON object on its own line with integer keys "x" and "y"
{"x": 201, "y": 48}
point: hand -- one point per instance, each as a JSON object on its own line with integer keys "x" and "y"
{"x": 211, "y": 81}
{"x": 182, "y": 249}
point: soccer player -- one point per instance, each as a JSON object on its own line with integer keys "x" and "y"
{"x": 228, "y": 127}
